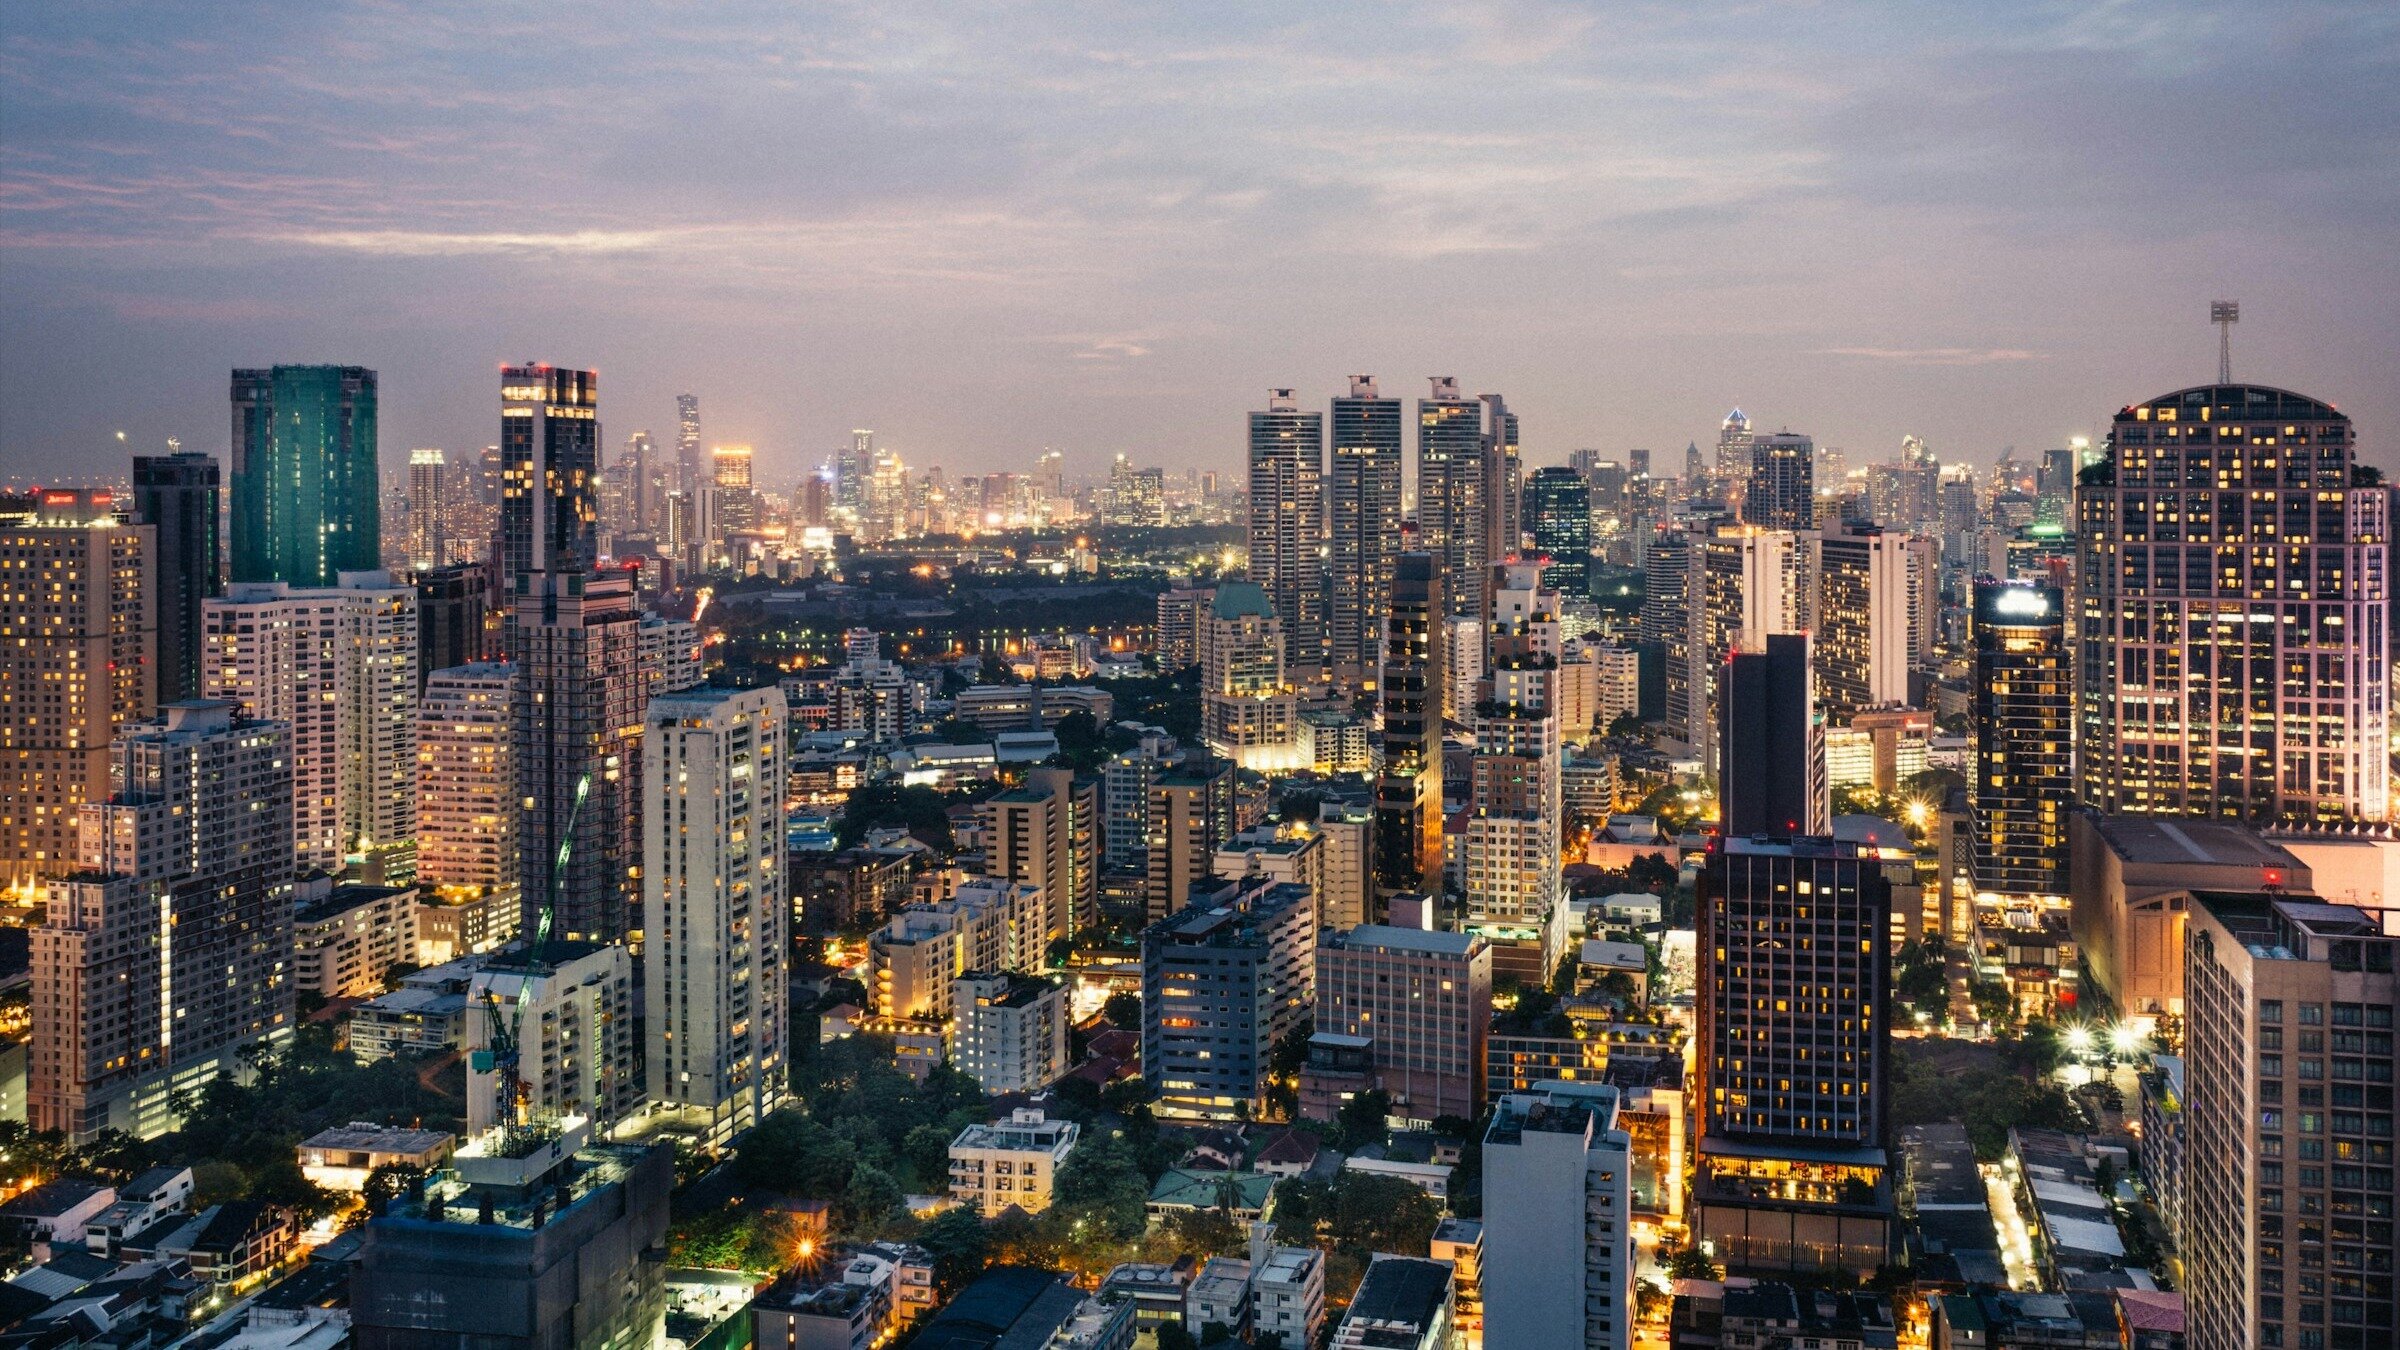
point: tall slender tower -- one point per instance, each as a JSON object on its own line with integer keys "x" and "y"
{"x": 1451, "y": 485}
{"x": 2232, "y": 613}
{"x": 1559, "y": 502}
{"x": 2023, "y": 720}
{"x": 1408, "y": 793}
{"x": 178, "y": 496}
{"x": 306, "y": 500}
{"x": 550, "y": 477}
{"x": 691, "y": 468}
{"x": 428, "y": 508}
{"x": 1287, "y": 526}
{"x": 578, "y": 715}
{"x": 1362, "y": 529}
{"x": 1515, "y": 799}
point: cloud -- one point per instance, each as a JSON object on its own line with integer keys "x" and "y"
{"x": 1938, "y": 356}
{"x": 437, "y": 244}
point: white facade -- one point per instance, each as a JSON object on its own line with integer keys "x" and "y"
{"x": 467, "y": 779}
{"x": 1516, "y": 798}
{"x": 670, "y": 654}
{"x": 571, "y": 1014}
{"x": 339, "y": 664}
{"x": 1557, "y": 1241}
{"x": 1011, "y": 1034}
{"x": 715, "y": 917}
{"x": 1010, "y": 1162}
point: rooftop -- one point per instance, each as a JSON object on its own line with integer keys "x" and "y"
{"x": 1369, "y": 935}
{"x": 358, "y": 1136}
{"x": 1403, "y": 1289}
{"x": 2221, "y": 843}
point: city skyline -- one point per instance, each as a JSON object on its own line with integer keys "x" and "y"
{"x": 1854, "y": 238}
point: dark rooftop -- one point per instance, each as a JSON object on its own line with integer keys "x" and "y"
{"x": 1402, "y": 1289}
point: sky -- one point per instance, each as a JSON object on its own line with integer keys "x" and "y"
{"x": 985, "y": 229}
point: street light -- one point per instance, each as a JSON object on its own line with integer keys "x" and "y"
{"x": 2079, "y": 1040}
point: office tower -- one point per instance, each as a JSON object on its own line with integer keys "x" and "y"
{"x": 1559, "y": 507}
{"x": 850, "y": 465}
{"x": 1287, "y": 525}
{"x": 550, "y": 476}
{"x": 1558, "y": 1216}
{"x": 168, "y": 953}
{"x": 176, "y": 495}
{"x": 1753, "y": 582}
{"x": 1865, "y": 586}
{"x": 78, "y": 640}
{"x": 1514, "y": 797}
{"x": 1408, "y": 791}
{"x": 2286, "y": 1153}
{"x": 1451, "y": 483}
{"x": 1362, "y": 528}
{"x": 1249, "y": 712}
{"x": 578, "y": 728}
{"x": 737, "y": 504}
{"x": 1503, "y": 492}
{"x": 1960, "y": 513}
{"x": 338, "y": 665}
{"x": 1181, "y": 613}
{"x": 1771, "y": 745}
{"x": 1190, "y": 818}
{"x": 453, "y": 617}
{"x": 467, "y": 779}
{"x": 1671, "y": 584}
{"x": 691, "y": 466}
{"x": 2231, "y": 612}
{"x": 1223, "y": 979}
{"x": 1011, "y": 1033}
{"x": 306, "y": 496}
{"x": 715, "y": 921}
{"x": 2023, "y": 719}
{"x": 1734, "y": 456}
{"x": 1425, "y": 1001}
{"x": 1031, "y": 835}
{"x": 428, "y": 508}
{"x": 635, "y": 487}
{"x": 1794, "y": 949}
{"x": 1780, "y": 492}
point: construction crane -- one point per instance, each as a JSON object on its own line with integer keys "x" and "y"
{"x": 503, "y": 1051}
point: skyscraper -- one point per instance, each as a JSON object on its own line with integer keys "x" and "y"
{"x": 1249, "y": 712}
{"x": 453, "y": 617}
{"x": 1408, "y": 792}
{"x": 636, "y": 487}
{"x": 737, "y": 502}
{"x": 78, "y": 639}
{"x": 1780, "y": 492}
{"x": 1287, "y": 525}
{"x": 1770, "y": 745}
{"x": 1863, "y": 628}
{"x": 1559, "y": 510}
{"x": 428, "y": 508}
{"x": 1752, "y": 582}
{"x": 1671, "y": 586}
{"x": 177, "y": 496}
{"x": 2232, "y": 608}
{"x": 715, "y": 920}
{"x": 1514, "y": 800}
{"x": 550, "y": 478}
{"x": 690, "y": 467}
{"x": 1362, "y": 528}
{"x": 338, "y": 666}
{"x": 1793, "y": 1040}
{"x": 2023, "y": 720}
{"x": 1451, "y": 483}
{"x": 578, "y": 716}
{"x": 306, "y": 496}
{"x": 467, "y": 780}
{"x": 169, "y": 952}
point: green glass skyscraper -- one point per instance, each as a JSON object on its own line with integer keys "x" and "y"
{"x": 305, "y": 490}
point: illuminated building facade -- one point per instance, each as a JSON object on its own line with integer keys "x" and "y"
{"x": 550, "y": 471}
{"x": 1362, "y": 528}
{"x": 306, "y": 498}
{"x": 2232, "y": 612}
{"x": 467, "y": 779}
{"x": 1287, "y": 525}
{"x": 1451, "y": 488}
{"x": 1558, "y": 509}
{"x": 2023, "y": 721}
{"x": 1863, "y": 626}
{"x": 1408, "y": 792}
{"x": 1249, "y": 712}
{"x": 1780, "y": 492}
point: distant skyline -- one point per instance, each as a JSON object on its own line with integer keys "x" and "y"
{"x": 983, "y": 232}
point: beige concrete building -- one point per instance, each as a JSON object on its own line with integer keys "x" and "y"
{"x": 1010, "y": 1163}
{"x": 2130, "y": 885}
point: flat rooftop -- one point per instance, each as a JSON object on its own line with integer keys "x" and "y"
{"x": 1406, "y": 940}
{"x": 2157, "y": 840}
{"x": 1403, "y": 1289}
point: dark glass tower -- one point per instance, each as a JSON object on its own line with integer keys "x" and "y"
{"x": 305, "y": 493}
{"x": 1771, "y": 752}
{"x": 1781, "y": 493}
{"x": 1363, "y": 527}
{"x": 1408, "y": 794}
{"x": 1558, "y": 504}
{"x": 2024, "y": 719}
{"x": 178, "y": 495}
{"x": 1451, "y": 486}
{"x": 550, "y": 471}
{"x": 1287, "y": 525}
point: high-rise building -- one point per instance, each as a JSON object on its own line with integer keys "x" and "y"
{"x": 1557, "y": 1259}
{"x": 454, "y": 626}
{"x": 1423, "y": 1000}
{"x": 307, "y": 499}
{"x": 1362, "y": 528}
{"x": 177, "y": 496}
{"x": 1780, "y": 492}
{"x": 1752, "y": 583}
{"x": 550, "y": 474}
{"x": 78, "y": 640}
{"x": 1559, "y": 512}
{"x": 1514, "y": 799}
{"x": 428, "y": 508}
{"x": 338, "y": 665}
{"x": 1793, "y": 1039}
{"x": 715, "y": 921}
{"x": 2286, "y": 1150}
{"x": 1223, "y": 979}
{"x": 1670, "y": 621}
{"x": 568, "y": 1009}
{"x": 1249, "y": 712}
{"x": 169, "y": 952}
{"x": 1771, "y": 745}
{"x": 1030, "y": 835}
{"x": 1190, "y": 818}
{"x": 1408, "y": 791}
{"x": 635, "y": 487}
{"x": 2023, "y": 716}
{"x": 1734, "y": 441}
{"x": 1011, "y": 1033}
{"x": 1451, "y": 483}
{"x": 1182, "y": 611}
{"x": 2232, "y": 608}
{"x": 1347, "y": 897}
{"x": 578, "y": 728}
{"x": 737, "y": 502}
{"x": 1863, "y": 633}
{"x": 467, "y": 779}
{"x": 691, "y": 468}
{"x": 1287, "y": 525}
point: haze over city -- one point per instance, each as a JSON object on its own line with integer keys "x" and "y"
{"x": 985, "y": 231}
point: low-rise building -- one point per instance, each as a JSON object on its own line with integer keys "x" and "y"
{"x": 1404, "y": 1303}
{"x": 141, "y": 1202}
{"x": 340, "y": 1159}
{"x": 1154, "y": 1289}
{"x": 347, "y": 939}
{"x": 1460, "y": 1242}
{"x": 1010, "y": 1163}
{"x": 1219, "y": 1296}
{"x": 1287, "y": 1289}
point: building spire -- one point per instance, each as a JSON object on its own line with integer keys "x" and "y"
{"x": 2224, "y": 314}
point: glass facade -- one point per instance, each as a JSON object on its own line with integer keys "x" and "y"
{"x": 306, "y": 502}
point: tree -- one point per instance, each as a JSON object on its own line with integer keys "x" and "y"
{"x": 959, "y": 1245}
{"x": 1690, "y": 1263}
{"x": 1100, "y": 1192}
{"x": 871, "y": 1196}
{"x": 1361, "y": 1120}
{"x": 388, "y": 1183}
{"x": 1123, "y": 1011}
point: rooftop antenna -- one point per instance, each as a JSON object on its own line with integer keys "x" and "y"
{"x": 2224, "y": 314}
